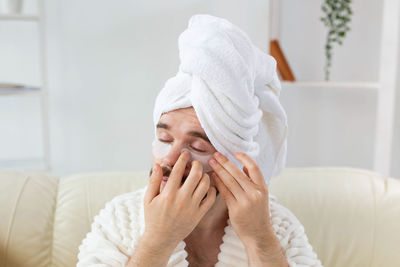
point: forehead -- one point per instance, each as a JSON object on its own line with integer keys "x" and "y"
{"x": 183, "y": 117}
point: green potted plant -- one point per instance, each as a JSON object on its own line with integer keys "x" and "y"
{"x": 337, "y": 18}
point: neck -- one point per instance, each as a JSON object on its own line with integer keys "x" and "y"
{"x": 213, "y": 222}
{"x": 203, "y": 243}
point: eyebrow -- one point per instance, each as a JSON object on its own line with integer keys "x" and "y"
{"x": 165, "y": 126}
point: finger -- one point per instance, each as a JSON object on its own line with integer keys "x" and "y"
{"x": 253, "y": 170}
{"x": 175, "y": 178}
{"x": 225, "y": 193}
{"x": 202, "y": 188}
{"x": 235, "y": 172}
{"x": 194, "y": 177}
{"x": 154, "y": 183}
{"x": 207, "y": 203}
{"x": 229, "y": 181}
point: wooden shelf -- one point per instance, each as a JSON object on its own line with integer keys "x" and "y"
{"x": 26, "y": 93}
{"x": 325, "y": 84}
{"x": 19, "y": 17}
{"x": 29, "y": 90}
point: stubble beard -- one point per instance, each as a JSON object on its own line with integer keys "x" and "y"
{"x": 167, "y": 172}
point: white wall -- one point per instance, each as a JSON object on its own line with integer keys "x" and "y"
{"x": 108, "y": 59}
{"x": 331, "y": 126}
{"x": 338, "y": 127}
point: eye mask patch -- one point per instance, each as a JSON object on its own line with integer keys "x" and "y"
{"x": 161, "y": 149}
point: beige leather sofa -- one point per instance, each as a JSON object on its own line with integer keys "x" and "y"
{"x": 351, "y": 216}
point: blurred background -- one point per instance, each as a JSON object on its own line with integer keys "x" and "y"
{"x": 105, "y": 61}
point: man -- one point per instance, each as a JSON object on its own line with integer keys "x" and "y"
{"x": 220, "y": 135}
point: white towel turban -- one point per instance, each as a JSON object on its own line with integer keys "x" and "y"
{"x": 234, "y": 89}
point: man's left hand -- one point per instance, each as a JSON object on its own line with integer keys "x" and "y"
{"x": 246, "y": 196}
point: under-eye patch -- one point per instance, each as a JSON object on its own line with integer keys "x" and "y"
{"x": 161, "y": 149}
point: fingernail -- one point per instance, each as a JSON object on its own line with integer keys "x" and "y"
{"x": 212, "y": 162}
{"x": 155, "y": 168}
{"x": 218, "y": 155}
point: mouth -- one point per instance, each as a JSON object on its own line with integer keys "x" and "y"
{"x": 165, "y": 179}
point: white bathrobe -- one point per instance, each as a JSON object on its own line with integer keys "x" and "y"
{"x": 118, "y": 227}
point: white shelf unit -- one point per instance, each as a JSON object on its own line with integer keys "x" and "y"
{"x": 334, "y": 85}
{"x": 385, "y": 87}
{"x": 43, "y": 163}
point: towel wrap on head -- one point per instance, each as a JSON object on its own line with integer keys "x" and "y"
{"x": 234, "y": 89}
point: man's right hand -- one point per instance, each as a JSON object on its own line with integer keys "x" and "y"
{"x": 172, "y": 215}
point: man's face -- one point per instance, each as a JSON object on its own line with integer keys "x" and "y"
{"x": 181, "y": 129}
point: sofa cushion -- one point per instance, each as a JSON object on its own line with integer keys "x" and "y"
{"x": 80, "y": 198}
{"x": 351, "y": 216}
{"x": 27, "y": 204}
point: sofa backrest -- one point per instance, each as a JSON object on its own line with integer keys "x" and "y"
{"x": 27, "y": 205}
{"x": 351, "y": 216}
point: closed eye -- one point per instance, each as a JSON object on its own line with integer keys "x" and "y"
{"x": 198, "y": 150}
{"x": 192, "y": 147}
